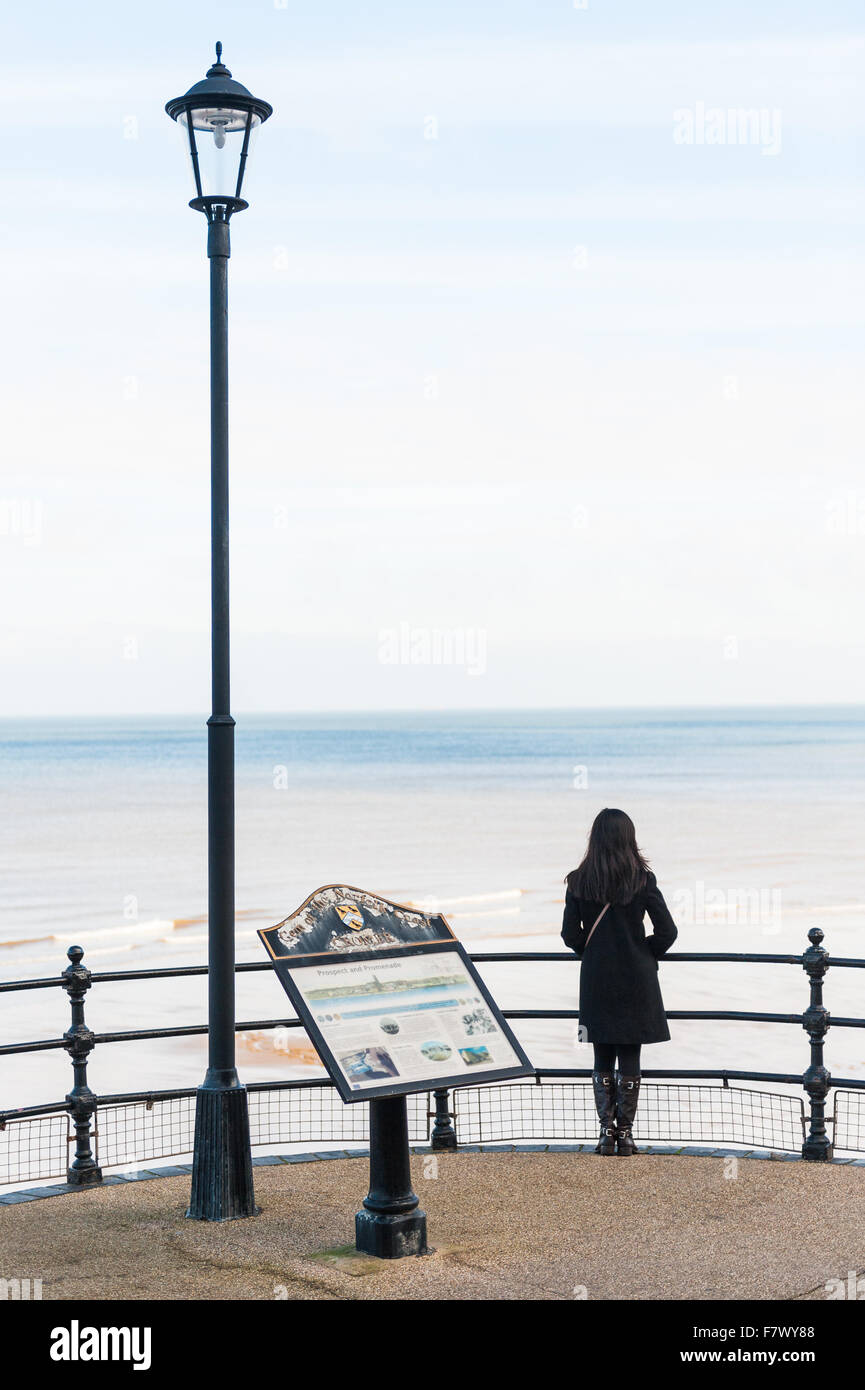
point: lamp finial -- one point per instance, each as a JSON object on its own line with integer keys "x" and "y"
{"x": 218, "y": 69}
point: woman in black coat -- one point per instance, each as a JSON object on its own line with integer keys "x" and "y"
{"x": 620, "y": 999}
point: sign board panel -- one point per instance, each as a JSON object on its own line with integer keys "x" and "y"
{"x": 406, "y": 1012}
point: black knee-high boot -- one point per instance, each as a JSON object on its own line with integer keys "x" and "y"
{"x": 627, "y": 1096}
{"x": 604, "y": 1083}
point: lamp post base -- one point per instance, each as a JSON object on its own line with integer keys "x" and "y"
{"x": 222, "y": 1188}
{"x": 390, "y": 1237}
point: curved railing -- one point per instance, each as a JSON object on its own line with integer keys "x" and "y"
{"x": 556, "y": 1099}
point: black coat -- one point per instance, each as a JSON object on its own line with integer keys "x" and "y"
{"x": 620, "y": 998}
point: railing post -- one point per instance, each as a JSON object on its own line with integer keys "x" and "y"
{"x": 444, "y": 1135}
{"x": 815, "y": 1021}
{"x": 78, "y": 1041}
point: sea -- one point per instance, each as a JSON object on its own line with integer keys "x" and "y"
{"x": 752, "y": 819}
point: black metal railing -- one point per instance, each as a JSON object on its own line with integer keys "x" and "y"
{"x": 145, "y": 1125}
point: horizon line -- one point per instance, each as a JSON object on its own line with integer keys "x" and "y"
{"x": 449, "y": 709}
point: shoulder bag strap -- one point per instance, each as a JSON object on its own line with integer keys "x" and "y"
{"x": 595, "y": 923}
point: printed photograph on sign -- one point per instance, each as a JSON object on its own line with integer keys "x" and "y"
{"x": 337, "y": 919}
{"x": 411, "y": 1019}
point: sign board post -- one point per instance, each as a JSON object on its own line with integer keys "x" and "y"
{"x": 391, "y": 1224}
{"x": 392, "y": 1005}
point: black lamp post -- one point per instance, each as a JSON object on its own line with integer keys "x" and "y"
{"x": 218, "y": 118}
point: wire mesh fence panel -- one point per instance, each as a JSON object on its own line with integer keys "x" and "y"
{"x": 133, "y": 1133}
{"x": 721, "y": 1114}
{"x": 557, "y": 1110}
{"x": 310, "y": 1116}
{"x": 848, "y": 1131}
{"x": 318, "y": 1115}
{"x": 136, "y": 1132}
{"x": 34, "y": 1148}
{"x": 687, "y": 1114}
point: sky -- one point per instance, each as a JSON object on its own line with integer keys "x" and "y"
{"x": 546, "y": 358}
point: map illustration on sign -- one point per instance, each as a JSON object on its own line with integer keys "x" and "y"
{"x": 404, "y": 1018}
{"x": 338, "y": 919}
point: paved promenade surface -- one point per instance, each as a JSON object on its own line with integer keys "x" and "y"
{"x": 512, "y": 1225}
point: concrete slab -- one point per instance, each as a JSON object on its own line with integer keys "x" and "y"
{"x": 516, "y": 1226}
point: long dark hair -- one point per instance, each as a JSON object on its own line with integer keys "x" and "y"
{"x": 613, "y": 869}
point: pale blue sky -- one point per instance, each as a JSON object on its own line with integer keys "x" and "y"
{"x": 553, "y": 382}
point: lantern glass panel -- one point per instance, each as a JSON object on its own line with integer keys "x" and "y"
{"x": 219, "y": 133}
